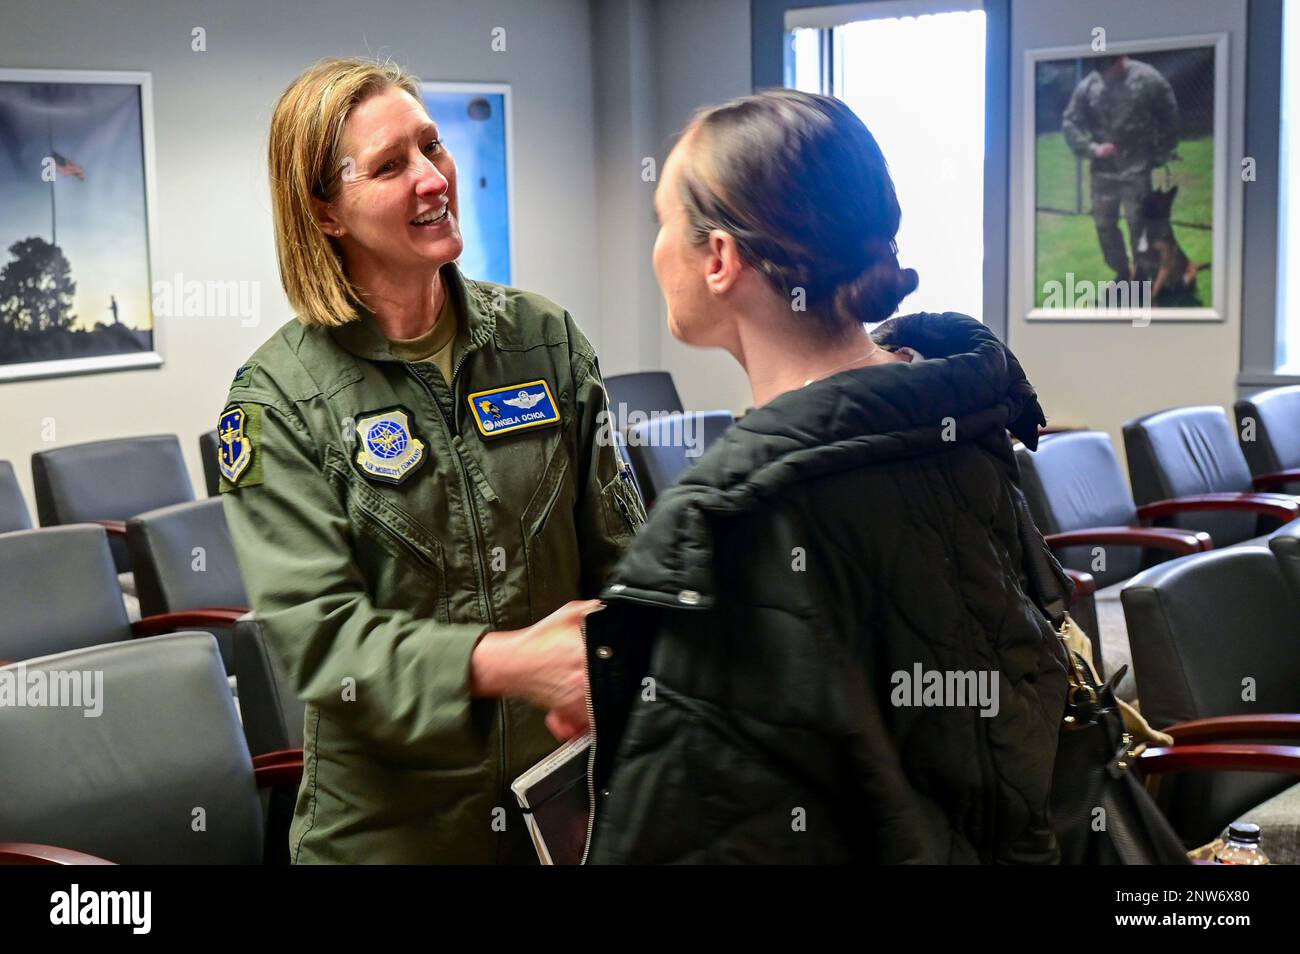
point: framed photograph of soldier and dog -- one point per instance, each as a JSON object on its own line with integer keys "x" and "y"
{"x": 1125, "y": 188}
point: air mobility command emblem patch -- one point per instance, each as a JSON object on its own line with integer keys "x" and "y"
{"x": 388, "y": 448}
{"x": 517, "y": 407}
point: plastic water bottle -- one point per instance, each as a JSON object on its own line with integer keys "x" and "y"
{"x": 1241, "y": 847}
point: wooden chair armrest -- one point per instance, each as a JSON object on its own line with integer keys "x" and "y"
{"x": 1181, "y": 542}
{"x": 1278, "y": 506}
{"x": 1266, "y": 725}
{"x": 1231, "y": 757}
{"x": 160, "y": 623}
{"x": 1278, "y": 478}
{"x": 23, "y": 853}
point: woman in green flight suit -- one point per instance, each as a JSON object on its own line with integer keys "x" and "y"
{"x": 421, "y": 490}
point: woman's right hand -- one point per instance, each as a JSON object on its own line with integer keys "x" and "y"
{"x": 544, "y": 664}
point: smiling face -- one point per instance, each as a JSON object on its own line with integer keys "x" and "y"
{"x": 396, "y": 208}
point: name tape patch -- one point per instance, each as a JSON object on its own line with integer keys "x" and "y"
{"x": 516, "y": 407}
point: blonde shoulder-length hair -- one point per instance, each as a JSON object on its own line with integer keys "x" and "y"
{"x": 303, "y": 156}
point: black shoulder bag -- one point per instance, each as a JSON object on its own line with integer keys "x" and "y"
{"x": 1101, "y": 812}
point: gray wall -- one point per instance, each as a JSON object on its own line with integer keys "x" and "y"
{"x": 703, "y": 49}
{"x": 657, "y": 63}
{"x": 1100, "y": 374}
{"x": 211, "y": 115}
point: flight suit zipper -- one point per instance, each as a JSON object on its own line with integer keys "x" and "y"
{"x": 591, "y": 753}
{"x": 448, "y": 421}
{"x": 501, "y": 703}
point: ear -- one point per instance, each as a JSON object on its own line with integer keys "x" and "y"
{"x": 724, "y": 263}
{"x": 1173, "y": 192}
{"x": 325, "y": 218}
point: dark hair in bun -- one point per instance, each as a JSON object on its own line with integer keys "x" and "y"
{"x": 803, "y": 187}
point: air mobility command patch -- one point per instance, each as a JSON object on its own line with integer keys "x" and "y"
{"x": 517, "y": 407}
{"x": 388, "y": 447}
{"x": 238, "y": 430}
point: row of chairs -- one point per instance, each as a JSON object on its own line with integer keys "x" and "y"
{"x": 105, "y": 482}
{"x": 1196, "y": 484}
{"x": 189, "y": 581}
{"x": 1184, "y": 592}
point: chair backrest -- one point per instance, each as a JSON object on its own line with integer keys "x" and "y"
{"x": 130, "y": 781}
{"x": 59, "y": 592}
{"x": 662, "y": 448}
{"x": 1215, "y": 634}
{"x": 184, "y": 558}
{"x": 1185, "y": 451}
{"x": 109, "y": 480}
{"x": 1268, "y": 428}
{"x": 209, "y": 449}
{"x": 1285, "y": 544}
{"x": 1074, "y": 482}
{"x": 271, "y": 710}
{"x": 649, "y": 392}
{"x": 14, "y": 514}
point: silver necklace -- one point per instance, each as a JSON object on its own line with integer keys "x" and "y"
{"x": 827, "y": 374}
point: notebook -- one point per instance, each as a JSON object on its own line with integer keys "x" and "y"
{"x": 556, "y": 803}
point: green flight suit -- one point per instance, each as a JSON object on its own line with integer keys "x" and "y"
{"x": 380, "y": 531}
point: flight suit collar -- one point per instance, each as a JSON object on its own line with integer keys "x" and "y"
{"x": 363, "y": 338}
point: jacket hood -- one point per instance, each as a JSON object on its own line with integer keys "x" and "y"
{"x": 968, "y": 388}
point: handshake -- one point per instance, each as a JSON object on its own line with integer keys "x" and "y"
{"x": 544, "y": 664}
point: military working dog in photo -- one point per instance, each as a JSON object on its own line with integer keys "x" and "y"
{"x": 1157, "y": 256}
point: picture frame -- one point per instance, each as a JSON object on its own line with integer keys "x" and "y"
{"x": 1165, "y": 177}
{"x": 475, "y": 122}
{"x": 77, "y": 181}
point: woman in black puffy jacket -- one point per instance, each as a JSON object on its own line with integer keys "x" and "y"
{"x": 819, "y": 649}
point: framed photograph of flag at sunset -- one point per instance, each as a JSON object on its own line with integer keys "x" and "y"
{"x": 76, "y": 187}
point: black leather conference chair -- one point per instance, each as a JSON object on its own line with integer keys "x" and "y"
{"x": 1285, "y": 544}
{"x": 649, "y": 392}
{"x": 1081, "y": 502}
{"x": 107, "y": 482}
{"x": 208, "y": 450}
{"x": 14, "y": 514}
{"x": 1216, "y": 642}
{"x": 127, "y": 785}
{"x": 271, "y": 711}
{"x": 59, "y": 592}
{"x": 184, "y": 560}
{"x": 663, "y": 447}
{"x": 1268, "y": 429}
{"x": 1188, "y": 469}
